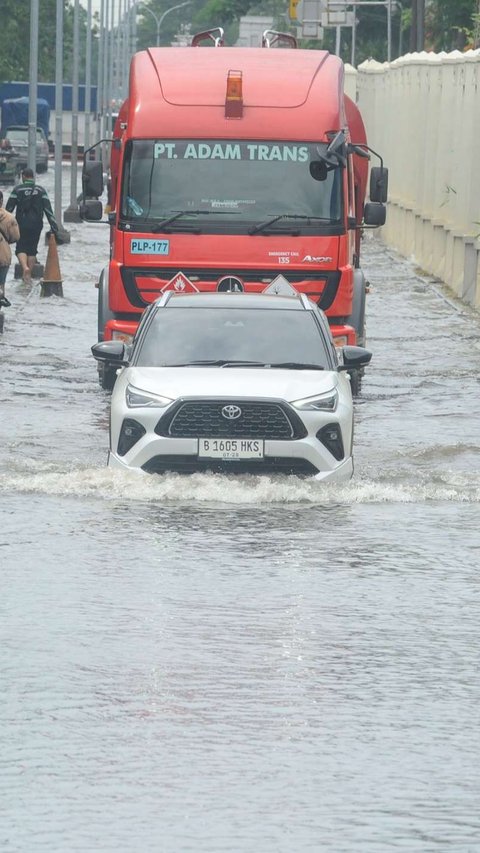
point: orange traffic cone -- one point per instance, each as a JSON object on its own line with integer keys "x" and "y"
{"x": 51, "y": 283}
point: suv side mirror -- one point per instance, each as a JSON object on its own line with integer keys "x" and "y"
{"x": 378, "y": 184}
{"x": 354, "y": 357}
{"x": 374, "y": 214}
{"x": 114, "y": 352}
{"x": 92, "y": 178}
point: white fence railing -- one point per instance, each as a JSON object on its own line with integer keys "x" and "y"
{"x": 422, "y": 114}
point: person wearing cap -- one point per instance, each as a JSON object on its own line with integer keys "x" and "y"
{"x": 9, "y": 233}
{"x": 31, "y": 202}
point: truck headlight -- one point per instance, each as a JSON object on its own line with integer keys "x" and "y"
{"x": 321, "y": 403}
{"x": 137, "y": 399}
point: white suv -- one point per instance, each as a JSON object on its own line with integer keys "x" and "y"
{"x": 232, "y": 382}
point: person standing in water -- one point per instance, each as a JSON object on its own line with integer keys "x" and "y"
{"x": 9, "y": 233}
{"x": 32, "y": 203}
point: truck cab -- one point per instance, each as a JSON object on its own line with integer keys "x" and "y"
{"x": 239, "y": 169}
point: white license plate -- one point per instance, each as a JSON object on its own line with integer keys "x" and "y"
{"x": 230, "y": 448}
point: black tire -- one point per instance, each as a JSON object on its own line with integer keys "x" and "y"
{"x": 355, "y": 382}
{"x": 357, "y": 317}
{"x": 107, "y": 376}
{"x": 2, "y": 320}
{"x": 104, "y": 314}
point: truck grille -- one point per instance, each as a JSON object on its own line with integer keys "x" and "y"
{"x": 142, "y": 285}
{"x": 204, "y": 419}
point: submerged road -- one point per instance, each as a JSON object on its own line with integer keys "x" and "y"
{"x": 209, "y": 664}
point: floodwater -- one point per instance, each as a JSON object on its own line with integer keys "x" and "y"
{"x": 206, "y": 664}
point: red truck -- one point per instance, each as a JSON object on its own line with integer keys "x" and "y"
{"x": 239, "y": 169}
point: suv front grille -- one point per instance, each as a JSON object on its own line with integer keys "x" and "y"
{"x": 204, "y": 419}
{"x": 192, "y": 465}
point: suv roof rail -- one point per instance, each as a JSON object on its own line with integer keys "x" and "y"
{"x": 164, "y": 298}
{"x": 270, "y": 38}
{"x": 307, "y": 304}
{"x": 218, "y": 40}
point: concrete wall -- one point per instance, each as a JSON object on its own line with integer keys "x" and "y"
{"x": 422, "y": 114}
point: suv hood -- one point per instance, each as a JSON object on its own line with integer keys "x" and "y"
{"x": 233, "y": 382}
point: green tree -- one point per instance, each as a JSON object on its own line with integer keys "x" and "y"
{"x": 15, "y": 41}
{"x": 450, "y": 24}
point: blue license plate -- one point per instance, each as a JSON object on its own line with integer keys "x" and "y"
{"x": 139, "y": 246}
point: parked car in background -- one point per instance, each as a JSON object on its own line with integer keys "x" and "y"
{"x": 234, "y": 383}
{"x": 8, "y": 166}
{"x": 18, "y": 137}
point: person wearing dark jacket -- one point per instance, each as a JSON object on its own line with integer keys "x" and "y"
{"x": 32, "y": 203}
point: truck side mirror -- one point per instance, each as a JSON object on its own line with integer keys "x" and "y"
{"x": 378, "y": 184}
{"x": 92, "y": 178}
{"x": 374, "y": 214}
{"x": 91, "y": 210}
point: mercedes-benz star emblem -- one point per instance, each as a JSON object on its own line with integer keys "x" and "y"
{"x": 230, "y": 284}
{"x": 231, "y": 413}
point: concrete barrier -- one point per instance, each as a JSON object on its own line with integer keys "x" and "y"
{"x": 421, "y": 113}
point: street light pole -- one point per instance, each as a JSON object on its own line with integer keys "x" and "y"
{"x": 159, "y": 21}
{"x": 167, "y": 12}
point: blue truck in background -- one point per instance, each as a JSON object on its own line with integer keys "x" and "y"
{"x": 15, "y": 114}
{"x": 14, "y": 99}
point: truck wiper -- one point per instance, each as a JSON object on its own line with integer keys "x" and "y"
{"x": 263, "y": 225}
{"x": 180, "y": 213}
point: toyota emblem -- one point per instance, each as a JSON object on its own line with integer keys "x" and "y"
{"x": 231, "y": 413}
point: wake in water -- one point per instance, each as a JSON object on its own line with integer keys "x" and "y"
{"x": 112, "y": 485}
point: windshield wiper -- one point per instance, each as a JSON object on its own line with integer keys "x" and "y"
{"x": 180, "y": 213}
{"x": 263, "y": 225}
{"x": 220, "y": 362}
{"x": 297, "y": 365}
{"x": 230, "y": 362}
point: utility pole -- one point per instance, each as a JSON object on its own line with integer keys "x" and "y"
{"x": 72, "y": 213}
{"x": 417, "y": 29}
{"x": 65, "y": 235}
{"x": 33, "y": 87}
{"x": 88, "y": 78}
{"x": 58, "y": 110}
{"x": 420, "y": 25}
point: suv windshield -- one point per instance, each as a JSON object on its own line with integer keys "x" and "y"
{"x": 179, "y": 336}
{"x": 242, "y": 183}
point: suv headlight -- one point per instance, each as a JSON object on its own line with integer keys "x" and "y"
{"x": 137, "y": 399}
{"x": 321, "y": 403}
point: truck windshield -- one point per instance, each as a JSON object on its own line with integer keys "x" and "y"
{"x": 243, "y": 183}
